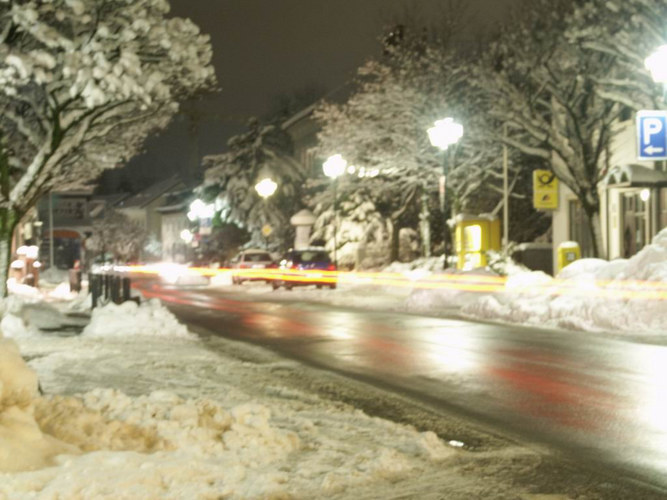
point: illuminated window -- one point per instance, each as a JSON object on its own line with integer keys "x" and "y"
{"x": 472, "y": 237}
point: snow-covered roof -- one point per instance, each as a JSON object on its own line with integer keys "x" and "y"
{"x": 149, "y": 194}
{"x": 297, "y": 116}
{"x": 467, "y": 217}
{"x": 174, "y": 207}
{"x": 635, "y": 175}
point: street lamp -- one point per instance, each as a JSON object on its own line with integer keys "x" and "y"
{"x": 187, "y": 236}
{"x": 443, "y": 134}
{"x": 201, "y": 210}
{"x": 265, "y": 188}
{"x": 333, "y": 168}
{"x": 656, "y": 63}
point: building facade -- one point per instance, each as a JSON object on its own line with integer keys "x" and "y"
{"x": 633, "y": 202}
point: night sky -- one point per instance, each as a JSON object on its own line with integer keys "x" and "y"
{"x": 267, "y": 48}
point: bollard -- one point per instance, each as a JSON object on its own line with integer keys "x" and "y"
{"x": 115, "y": 286}
{"x": 92, "y": 285}
{"x": 107, "y": 286}
{"x": 126, "y": 289}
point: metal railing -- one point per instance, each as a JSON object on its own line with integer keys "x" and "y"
{"x": 109, "y": 287}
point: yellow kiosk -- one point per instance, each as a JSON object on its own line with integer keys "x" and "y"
{"x": 475, "y": 235}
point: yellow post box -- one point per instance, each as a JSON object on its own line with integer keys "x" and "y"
{"x": 568, "y": 252}
{"x": 476, "y": 235}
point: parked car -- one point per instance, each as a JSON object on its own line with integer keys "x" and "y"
{"x": 310, "y": 260}
{"x": 250, "y": 259}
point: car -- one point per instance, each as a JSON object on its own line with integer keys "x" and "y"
{"x": 310, "y": 260}
{"x": 250, "y": 259}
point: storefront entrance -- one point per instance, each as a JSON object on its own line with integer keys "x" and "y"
{"x": 635, "y": 226}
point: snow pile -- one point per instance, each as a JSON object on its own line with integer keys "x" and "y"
{"x": 589, "y": 294}
{"x": 221, "y": 279}
{"x": 150, "y": 318}
{"x": 157, "y": 446}
{"x": 427, "y": 300}
{"x": 246, "y": 438}
{"x": 22, "y": 444}
{"x": 14, "y": 323}
{"x": 14, "y": 287}
{"x": 165, "y": 446}
{"x": 422, "y": 264}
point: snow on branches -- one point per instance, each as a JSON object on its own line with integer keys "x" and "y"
{"x": 82, "y": 82}
{"x": 262, "y": 151}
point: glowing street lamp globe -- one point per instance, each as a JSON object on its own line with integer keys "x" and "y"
{"x": 334, "y": 166}
{"x": 266, "y": 187}
{"x": 656, "y": 63}
{"x": 444, "y": 133}
{"x": 187, "y": 236}
{"x": 200, "y": 210}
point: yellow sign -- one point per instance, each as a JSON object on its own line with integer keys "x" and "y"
{"x": 266, "y": 230}
{"x": 545, "y": 190}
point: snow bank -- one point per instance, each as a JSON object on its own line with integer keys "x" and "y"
{"x": 14, "y": 323}
{"x": 23, "y": 446}
{"x": 150, "y": 318}
{"x": 165, "y": 446}
{"x": 422, "y": 264}
{"x": 271, "y": 442}
{"x": 586, "y": 295}
{"x": 434, "y": 300}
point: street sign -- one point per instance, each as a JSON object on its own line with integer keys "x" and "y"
{"x": 205, "y": 226}
{"x": 266, "y": 230}
{"x": 652, "y": 135}
{"x": 545, "y": 190}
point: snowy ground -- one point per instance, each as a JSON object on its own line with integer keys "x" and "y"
{"x": 138, "y": 407}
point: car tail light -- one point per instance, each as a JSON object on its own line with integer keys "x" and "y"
{"x": 331, "y": 267}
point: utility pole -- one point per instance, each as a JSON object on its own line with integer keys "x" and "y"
{"x": 506, "y": 208}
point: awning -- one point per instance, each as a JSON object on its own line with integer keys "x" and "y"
{"x": 635, "y": 176}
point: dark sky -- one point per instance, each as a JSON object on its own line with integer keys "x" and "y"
{"x": 266, "y": 48}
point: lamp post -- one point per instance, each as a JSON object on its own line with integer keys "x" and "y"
{"x": 443, "y": 134}
{"x": 333, "y": 168}
{"x": 265, "y": 188}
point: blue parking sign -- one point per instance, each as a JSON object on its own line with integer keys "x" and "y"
{"x": 652, "y": 135}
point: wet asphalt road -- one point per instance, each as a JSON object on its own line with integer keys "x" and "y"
{"x": 601, "y": 400}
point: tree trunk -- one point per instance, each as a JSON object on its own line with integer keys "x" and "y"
{"x": 592, "y": 211}
{"x": 395, "y": 241}
{"x": 8, "y": 220}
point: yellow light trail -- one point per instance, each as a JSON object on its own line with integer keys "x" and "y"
{"x": 612, "y": 289}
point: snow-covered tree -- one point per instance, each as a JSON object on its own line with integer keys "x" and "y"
{"x": 383, "y": 127}
{"x": 628, "y": 31}
{"x": 82, "y": 83}
{"x": 230, "y": 179}
{"x": 116, "y": 234}
{"x": 359, "y": 225}
{"x": 548, "y": 90}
